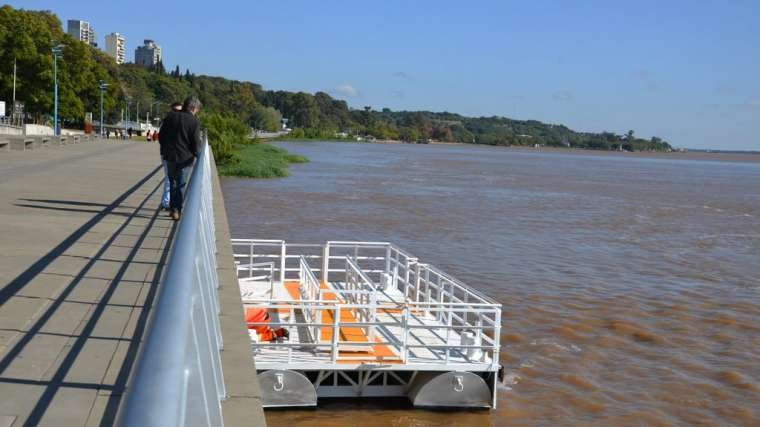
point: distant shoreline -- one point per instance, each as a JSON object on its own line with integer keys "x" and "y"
{"x": 674, "y": 155}
{"x": 748, "y": 157}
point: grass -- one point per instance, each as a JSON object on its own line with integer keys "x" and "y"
{"x": 259, "y": 160}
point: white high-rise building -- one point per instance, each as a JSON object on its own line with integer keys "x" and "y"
{"x": 116, "y": 47}
{"x": 82, "y": 31}
{"x": 149, "y": 54}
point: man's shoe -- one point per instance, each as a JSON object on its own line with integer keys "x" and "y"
{"x": 175, "y": 215}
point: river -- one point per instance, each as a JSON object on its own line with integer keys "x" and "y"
{"x": 630, "y": 285}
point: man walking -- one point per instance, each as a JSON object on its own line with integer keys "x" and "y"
{"x": 165, "y": 198}
{"x": 180, "y": 137}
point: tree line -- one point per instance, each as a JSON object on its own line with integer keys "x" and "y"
{"x": 28, "y": 36}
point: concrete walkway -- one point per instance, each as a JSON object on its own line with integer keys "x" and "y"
{"x": 82, "y": 248}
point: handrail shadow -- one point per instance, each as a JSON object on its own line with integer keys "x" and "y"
{"x": 57, "y": 380}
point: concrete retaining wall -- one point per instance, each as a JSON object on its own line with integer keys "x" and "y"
{"x": 10, "y": 130}
{"x": 243, "y": 404}
{"x": 35, "y": 130}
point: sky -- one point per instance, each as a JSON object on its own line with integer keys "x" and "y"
{"x": 686, "y": 71}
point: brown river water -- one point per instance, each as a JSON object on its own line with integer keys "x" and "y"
{"x": 630, "y": 285}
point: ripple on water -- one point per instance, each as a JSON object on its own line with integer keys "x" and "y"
{"x": 735, "y": 379}
{"x": 568, "y": 333}
{"x": 636, "y": 332}
{"x": 579, "y": 382}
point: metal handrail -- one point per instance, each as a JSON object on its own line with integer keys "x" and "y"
{"x": 177, "y": 378}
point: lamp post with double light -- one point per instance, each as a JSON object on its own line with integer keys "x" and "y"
{"x": 102, "y": 86}
{"x": 57, "y": 53}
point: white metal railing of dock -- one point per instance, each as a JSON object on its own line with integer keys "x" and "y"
{"x": 363, "y": 270}
{"x": 177, "y": 377}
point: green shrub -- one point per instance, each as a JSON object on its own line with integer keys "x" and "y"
{"x": 260, "y": 161}
{"x": 225, "y": 131}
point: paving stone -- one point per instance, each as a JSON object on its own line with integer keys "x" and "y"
{"x": 104, "y": 269}
{"x": 148, "y": 256}
{"x": 18, "y": 311}
{"x": 45, "y": 286}
{"x": 125, "y": 293}
{"x": 36, "y": 357}
{"x": 66, "y": 318}
{"x": 69, "y": 407}
{"x": 153, "y": 243}
{"x": 18, "y": 399}
{"x": 112, "y": 322}
{"x": 83, "y": 249}
{"x": 66, "y": 265}
{"x": 115, "y": 253}
{"x": 138, "y": 272}
{"x": 97, "y": 411}
{"x": 7, "y": 337}
{"x": 92, "y": 361}
{"x": 88, "y": 290}
{"x": 113, "y": 370}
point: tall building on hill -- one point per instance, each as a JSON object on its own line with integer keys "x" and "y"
{"x": 116, "y": 47}
{"x": 82, "y": 31}
{"x": 149, "y": 54}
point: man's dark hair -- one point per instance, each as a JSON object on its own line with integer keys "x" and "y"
{"x": 191, "y": 102}
{"x": 176, "y": 106}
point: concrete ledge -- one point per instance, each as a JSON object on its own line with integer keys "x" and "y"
{"x": 21, "y": 143}
{"x": 243, "y": 403}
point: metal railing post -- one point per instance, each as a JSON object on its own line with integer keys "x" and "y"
{"x": 250, "y": 261}
{"x": 326, "y": 263}
{"x": 388, "y": 259}
{"x": 336, "y": 332}
{"x": 282, "y": 263}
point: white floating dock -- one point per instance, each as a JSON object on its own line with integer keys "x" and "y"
{"x": 366, "y": 319}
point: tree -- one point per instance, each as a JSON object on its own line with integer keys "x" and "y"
{"x": 266, "y": 118}
{"x": 304, "y": 111}
{"x": 28, "y": 37}
{"x": 159, "y": 68}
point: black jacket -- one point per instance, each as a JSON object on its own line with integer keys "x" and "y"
{"x": 180, "y": 137}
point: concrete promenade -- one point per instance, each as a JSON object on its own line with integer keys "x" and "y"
{"x": 82, "y": 250}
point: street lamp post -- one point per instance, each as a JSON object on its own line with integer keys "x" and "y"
{"x": 102, "y": 86}
{"x": 126, "y": 122}
{"x": 158, "y": 104}
{"x": 57, "y": 53}
{"x": 137, "y": 114}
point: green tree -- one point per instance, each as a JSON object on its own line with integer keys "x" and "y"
{"x": 304, "y": 111}
{"x": 266, "y": 118}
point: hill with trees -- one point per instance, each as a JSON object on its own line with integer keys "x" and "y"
{"x": 28, "y": 36}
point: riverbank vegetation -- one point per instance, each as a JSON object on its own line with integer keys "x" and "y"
{"x": 237, "y": 154}
{"x": 258, "y": 160}
{"x": 28, "y": 36}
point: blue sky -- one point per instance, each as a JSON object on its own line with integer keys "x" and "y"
{"x": 687, "y": 71}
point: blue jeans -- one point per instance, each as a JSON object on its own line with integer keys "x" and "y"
{"x": 167, "y": 187}
{"x": 177, "y": 173}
